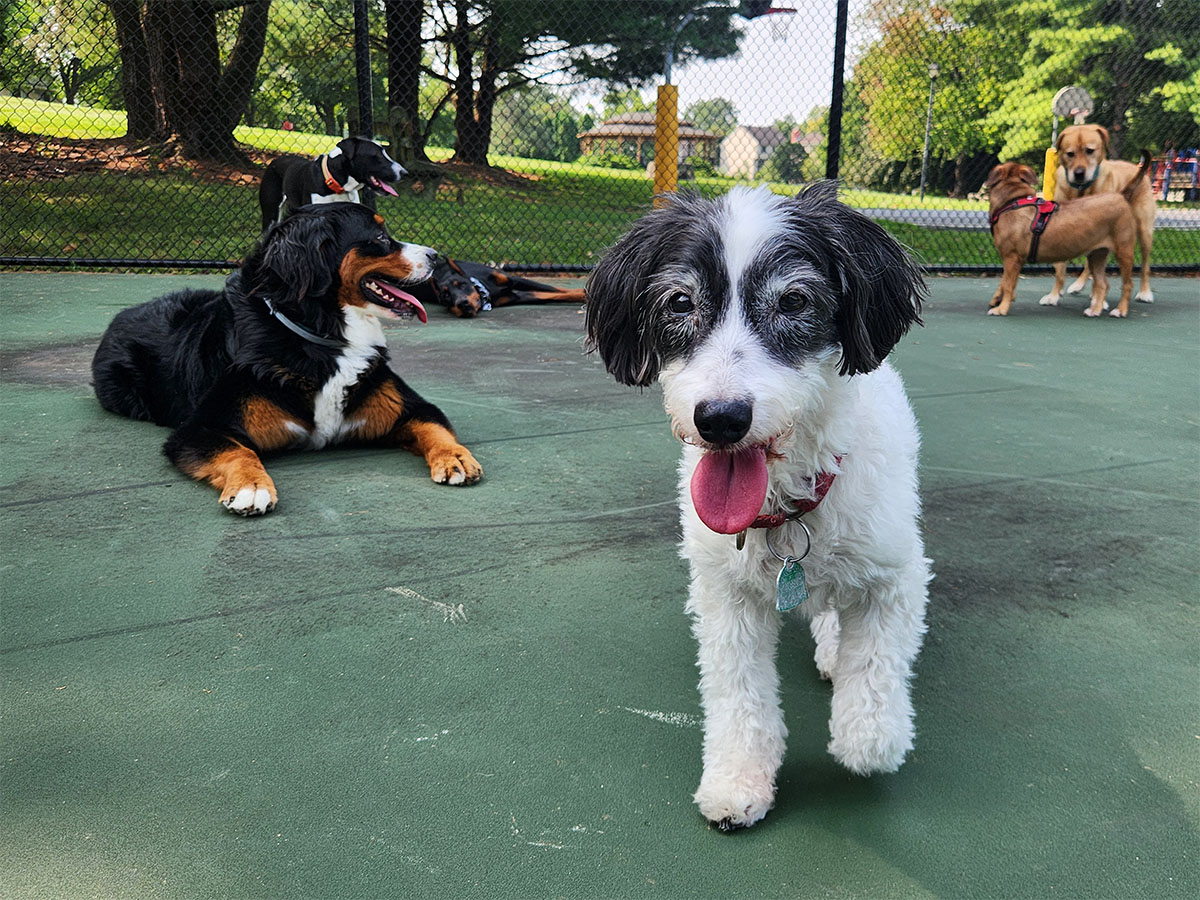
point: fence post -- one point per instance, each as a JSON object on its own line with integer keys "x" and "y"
{"x": 833, "y": 153}
{"x": 666, "y": 142}
{"x": 362, "y": 74}
{"x": 362, "y": 69}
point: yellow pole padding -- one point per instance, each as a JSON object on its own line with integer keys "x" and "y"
{"x": 1050, "y": 176}
{"x": 666, "y": 142}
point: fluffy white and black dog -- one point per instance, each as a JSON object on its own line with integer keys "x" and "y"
{"x": 767, "y": 319}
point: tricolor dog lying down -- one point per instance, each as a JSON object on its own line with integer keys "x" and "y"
{"x": 767, "y": 320}
{"x": 290, "y": 355}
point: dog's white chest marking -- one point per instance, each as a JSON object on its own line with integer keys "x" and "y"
{"x": 349, "y": 194}
{"x": 365, "y": 339}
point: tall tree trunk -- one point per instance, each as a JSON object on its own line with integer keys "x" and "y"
{"x": 69, "y": 73}
{"x": 144, "y": 119}
{"x": 202, "y": 103}
{"x": 328, "y": 115}
{"x": 474, "y": 107}
{"x": 960, "y": 175}
{"x": 464, "y": 80}
{"x": 404, "y": 48}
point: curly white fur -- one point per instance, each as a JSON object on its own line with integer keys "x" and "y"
{"x": 866, "y": 571}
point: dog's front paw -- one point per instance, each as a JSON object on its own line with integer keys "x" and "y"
{"x": 868, "y": 738}
{"x": 251, "y": 498}
{"x": 1050, "y": 299}
{"x": 1144, "y": 296}
{"x": 454, "y": 465}
{"x": 1077, "y": 287}
{"x": 1117, "y": 313}
{"x": 1093, "y": 311}
{"x": 998, "y": 311}
{"x": 733, "y": 801}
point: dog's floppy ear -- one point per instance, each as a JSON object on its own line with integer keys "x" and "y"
{"x": 1104, "y": 137}
{"x": 1028, "y": 175}
{"x": 996, "y": 175}
{"x": 616, "y": 305}
{"x": 295, "y": 260}
{"x": 880, "y": 287}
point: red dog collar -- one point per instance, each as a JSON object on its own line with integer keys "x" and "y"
{"x": 1045, "y": 209}
{"x": 330, "y": 181}
{"x": 822, "y": 482}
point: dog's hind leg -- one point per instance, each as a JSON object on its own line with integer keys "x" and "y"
{"x": 871, "y": 723}
{"x": 744, "y": 730}
{"x": 1146, "y": 242}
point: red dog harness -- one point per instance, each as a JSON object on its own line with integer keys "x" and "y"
{"x": 1045, "y": 209}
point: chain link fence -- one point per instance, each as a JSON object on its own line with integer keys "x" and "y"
{"x": 135, "y": 132}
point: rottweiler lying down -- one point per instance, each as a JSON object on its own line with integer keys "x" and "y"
{"x": 468, "y": 288}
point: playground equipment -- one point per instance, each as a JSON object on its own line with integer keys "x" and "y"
{"x": 1176, "y": 175}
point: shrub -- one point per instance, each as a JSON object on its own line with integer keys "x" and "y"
{"x": 701, "y": 166}
{"x": 610, "y": 161}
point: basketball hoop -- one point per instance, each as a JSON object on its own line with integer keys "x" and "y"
{"x": 779, "y": 21}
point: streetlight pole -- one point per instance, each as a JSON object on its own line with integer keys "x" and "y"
{"x": 933, "y": 74}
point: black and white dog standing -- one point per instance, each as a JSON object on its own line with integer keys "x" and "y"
{"x": 340, "y": 175}
{"x": 767, "y": 320}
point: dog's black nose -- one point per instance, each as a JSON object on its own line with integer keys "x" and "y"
{"x": 432, "y": 256}
{"x": 723, "y": 422}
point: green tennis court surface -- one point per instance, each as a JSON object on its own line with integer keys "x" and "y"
{"x": 388, "y": 688}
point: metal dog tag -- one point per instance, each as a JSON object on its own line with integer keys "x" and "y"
{"x": 790, "y": 587}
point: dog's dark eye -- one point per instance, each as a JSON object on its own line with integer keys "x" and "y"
{"x": 680, "y": 304}
{"x": 792, "y": 301}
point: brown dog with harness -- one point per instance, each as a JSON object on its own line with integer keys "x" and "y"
{"x": 1024, "y": 227}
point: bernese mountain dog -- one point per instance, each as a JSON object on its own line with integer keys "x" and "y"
{"x": 289, "y": 355}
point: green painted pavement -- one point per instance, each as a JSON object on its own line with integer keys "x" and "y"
{"x": 388, "y": 688}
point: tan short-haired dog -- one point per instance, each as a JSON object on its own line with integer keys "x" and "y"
{"x": 1084, "y": 169}
{"x": 1090, "y": 226}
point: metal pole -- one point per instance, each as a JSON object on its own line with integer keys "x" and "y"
{"x": 833, "y": 154}
{"x": 362, "y": 74}
{"x": 362, "y": 69}
{"x": 933, "y": 74}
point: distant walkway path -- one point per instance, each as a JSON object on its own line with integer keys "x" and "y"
{"x": 976, "y": 220}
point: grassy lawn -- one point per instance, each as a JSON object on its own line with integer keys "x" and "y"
{"x": 536, "y": 212}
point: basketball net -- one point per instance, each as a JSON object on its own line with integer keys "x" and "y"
{"x": 779, "y": 21}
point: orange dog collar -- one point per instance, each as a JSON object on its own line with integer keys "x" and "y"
{"x": 330, "y": 181}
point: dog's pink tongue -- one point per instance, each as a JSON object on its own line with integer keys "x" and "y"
{"x": 728, "y": 489}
